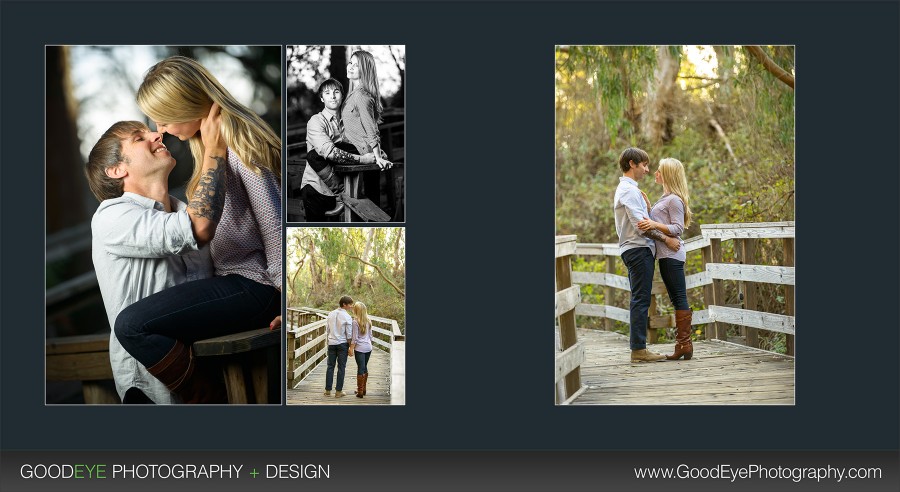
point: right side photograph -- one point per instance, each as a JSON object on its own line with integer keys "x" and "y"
{"x": 674, "y": 247}
{"x": 346, "y": 156}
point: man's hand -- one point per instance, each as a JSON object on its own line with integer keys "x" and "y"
{"x": 673, "y": 243}
{"x": 276, "y": 323}
{"x": 367, "y": 158}
{"x": 211, "y": 132}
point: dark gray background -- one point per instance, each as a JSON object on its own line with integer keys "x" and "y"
{"x": 480, "y": 225}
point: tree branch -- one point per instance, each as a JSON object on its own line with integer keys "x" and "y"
{"x": 378, "y": 269}
{"x": 773, "y": 68}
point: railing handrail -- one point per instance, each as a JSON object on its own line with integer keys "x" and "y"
{"x": 395, "y": 345}
{"x": 394, "y": 333}
{"x": 714, "y": 271}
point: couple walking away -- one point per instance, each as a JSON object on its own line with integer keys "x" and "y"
{"x": 654, "y": 232}
{"x": 348, "y": 335}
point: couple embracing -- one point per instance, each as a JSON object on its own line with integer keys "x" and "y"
{"x": 173, "y": 273}
{"x": 349, "y": 332}
{"x": 647, "y": 233}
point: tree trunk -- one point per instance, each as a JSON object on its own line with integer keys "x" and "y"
{"x": 370, "y": 236}
{"x": 338, "y": 66}
{"x": 657, "y": 116}
{"x": 725, "y": 65}
{"x": 67, "y": 202}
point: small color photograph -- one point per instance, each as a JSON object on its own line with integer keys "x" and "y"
{"x": 346, "y": 316}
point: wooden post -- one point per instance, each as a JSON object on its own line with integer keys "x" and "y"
{"x": 708, "y": 295}
{"x": 567, "y": 333}
{"x": 789, "y": 291}
{"x": 653, "y": 313}
{"x": 609, "y": 323}
{"x": 291, "y": 347}
{"x": 751, "y": 296}
{"x": 719, "y": 330}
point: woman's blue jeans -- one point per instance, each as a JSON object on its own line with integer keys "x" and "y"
{"x": 212, "y": 307}
{"x": 362, "y": 362}
{"x": 672, "y": 272}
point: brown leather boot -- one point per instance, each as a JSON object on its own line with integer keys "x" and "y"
{"x": 365, "y": 382}
{"x": 360, "y": 381}
{"x": 180, "y": 373}
{"x": 683, "y": 345}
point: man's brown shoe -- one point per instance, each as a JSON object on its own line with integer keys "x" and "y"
{"x": 644, "y": 355}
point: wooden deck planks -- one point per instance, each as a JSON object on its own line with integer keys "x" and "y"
{"x": 718, "y": 374}
{"x": 310, "y": 389}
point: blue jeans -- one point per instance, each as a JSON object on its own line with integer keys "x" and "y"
{"x": 362, "y": 362}
{"x": 212, "y": 307}
{"x": 336, "y": 353}
{"x": 672, "y": 272}
{"x": 640, "y": 264}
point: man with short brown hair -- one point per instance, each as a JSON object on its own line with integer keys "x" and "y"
{"x": 339, "y": 331}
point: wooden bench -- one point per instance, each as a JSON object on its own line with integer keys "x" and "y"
{"x": 250, "y": 361}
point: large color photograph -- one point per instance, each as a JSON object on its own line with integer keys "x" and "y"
{"x": 675, "y": 225}
{"x": 164, "y": 224}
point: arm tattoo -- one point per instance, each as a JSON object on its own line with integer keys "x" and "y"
{"x": 209, "y": 197}
{"x": 343, "y": 157}
{"x": 654, "y": 234}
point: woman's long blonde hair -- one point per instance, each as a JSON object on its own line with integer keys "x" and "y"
{"x": 368, "y": 79}
{"x": 180, "y": 90}
{"x": 673, "y": 177}
{"x": 362, "y": 317}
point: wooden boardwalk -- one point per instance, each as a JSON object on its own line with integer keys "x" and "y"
{"x": 720, "y": 373}
{"x": 311, "y": 388}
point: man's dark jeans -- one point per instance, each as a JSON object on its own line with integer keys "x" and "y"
{"x": 640, "y": 265}
{"x": 336, "y": 353}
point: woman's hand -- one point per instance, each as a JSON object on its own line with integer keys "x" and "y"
{"x": 647, "y": 224}
{"x": 383, "y": 163}
{"x": 211, "y": 130}
{"x": 275, "y": 324}
{"x": 647, "y": 201}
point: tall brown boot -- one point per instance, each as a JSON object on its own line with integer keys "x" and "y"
{"x": 683, "y": 345}
{"x": 365, "y": 382}
{"x": 360, "y": 383}
{"x": 179, "y": 372}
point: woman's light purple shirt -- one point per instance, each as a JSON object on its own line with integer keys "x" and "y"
{"x": 669, "y": 210}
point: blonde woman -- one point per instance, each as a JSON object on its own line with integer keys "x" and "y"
{"x": 361, "y": 346}
{"x": 671, "y": 215}
{"x": 242, "y": 193}
{"x": 362, "y": 108}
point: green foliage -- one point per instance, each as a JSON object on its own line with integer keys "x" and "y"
{"x": 327, "y": 263}
{"x": 600, "y": 97}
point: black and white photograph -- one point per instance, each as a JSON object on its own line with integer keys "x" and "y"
{"x": 345, "y": 128}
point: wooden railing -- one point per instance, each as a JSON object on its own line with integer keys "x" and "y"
{"x": 711, "y": 278}
{"x": 570, "y": 352}
{"x": 307, "y": 347}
